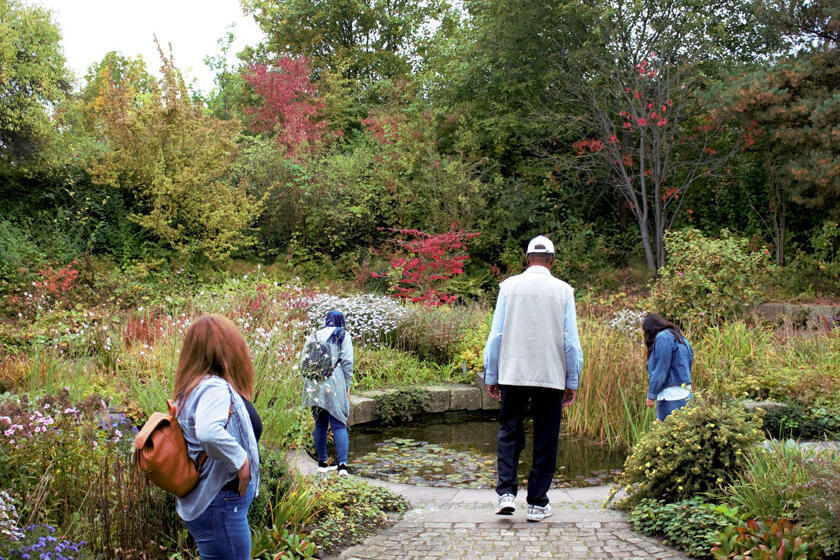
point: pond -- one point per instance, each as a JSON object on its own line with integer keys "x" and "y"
{"x": 462, "y": 454}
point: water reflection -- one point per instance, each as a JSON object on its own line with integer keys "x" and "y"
{"x": 462, "y": 454}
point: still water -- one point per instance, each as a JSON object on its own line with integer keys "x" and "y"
{"x": 463, "y": 454}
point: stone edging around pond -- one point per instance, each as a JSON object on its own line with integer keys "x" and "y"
{"x": 808, "y": 315}
{"x": 442, "y": 398}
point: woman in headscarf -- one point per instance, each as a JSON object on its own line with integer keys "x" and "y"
{"x": 329, "y": 398}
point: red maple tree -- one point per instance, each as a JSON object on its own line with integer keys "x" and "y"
{"x": 291, "y": 103}
{"x": 424, "y": 263}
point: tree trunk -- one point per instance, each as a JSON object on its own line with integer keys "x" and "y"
{"x": 777, "y": 215}
{"x": 649, "y": 255}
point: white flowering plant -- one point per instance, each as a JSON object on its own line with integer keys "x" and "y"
{"x": 628, "y": 321}
{"x": 369, "y": 317}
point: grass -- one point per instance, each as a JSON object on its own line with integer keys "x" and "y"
{"x": 611, "y": 399}
{"x": 376, "y": 368}
{"x": 775, "y": 483}
{"x": 130, "y": 357}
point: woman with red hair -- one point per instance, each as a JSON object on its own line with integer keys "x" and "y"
{"x": 214, "y": 386}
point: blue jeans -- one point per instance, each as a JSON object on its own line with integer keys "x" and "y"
{"x": 339, "y": 430}
{"x": 222, "y": 531}
{"x": 664, "y": 408}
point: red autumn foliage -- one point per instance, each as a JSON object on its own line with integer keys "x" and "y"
{"x": 291, "y": 103}
{"x": 424, "y": 263}
{"x": 144, "y": 330}
{"x": 57, "y": 282}
{"x": 385, "y": 127}
{"x": 587, "y": 144}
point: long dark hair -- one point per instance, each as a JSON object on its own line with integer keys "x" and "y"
{"x": 654, "y": 324}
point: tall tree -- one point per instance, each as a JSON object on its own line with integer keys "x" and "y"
{"x": 635, "y": 77}
{"x": 33, "y": 78}
{"x": 790, "y": 112}
{"x": 291, "y": 107}
{"x": 365, "y": 40}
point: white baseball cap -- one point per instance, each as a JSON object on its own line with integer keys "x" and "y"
{"x": 540, "y": 244}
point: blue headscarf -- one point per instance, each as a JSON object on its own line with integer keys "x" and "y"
{"x": 336, "y": 319}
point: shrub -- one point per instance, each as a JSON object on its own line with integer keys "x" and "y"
{"x": 369, "y": 317}
{"x": 386, "y": 367}
{"x": 799, "y": 422}
{"x": 470, "y": 350}
{"x": 74, "y": 462}
{"x": 765, "y": 540}
{"x": 706, "y": 281}
{"x": 434, "y": 333}
{"x": 17, "y": 254}
{"x": 696, "y": 449}
{"x": 690, "y": 525}
{"x": 353, "y": 510}
{"x": 423, "y": 264}
{"x": 816, "y": 273}
{"x": 738, "y": 360}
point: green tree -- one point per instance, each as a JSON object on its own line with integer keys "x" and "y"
{"x": 365, "y": 40}
{"x": 33, "y": 78}
{"x": 176, "y": 160}
{"x": 789, "y": 114}
{"x": 488, "y": 71}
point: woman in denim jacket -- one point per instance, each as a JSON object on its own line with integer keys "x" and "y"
{"x": 670, "y": 358}
{"x": 214, "y": 378}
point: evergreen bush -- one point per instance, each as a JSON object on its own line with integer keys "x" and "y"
{"x": 697, "y": 449}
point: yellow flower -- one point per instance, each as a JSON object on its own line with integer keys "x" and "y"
{"x": 679, "y": 488}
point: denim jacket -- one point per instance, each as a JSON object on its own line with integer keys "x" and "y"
{"x": 669, "y": 364}
{"x": 203, "y": 417}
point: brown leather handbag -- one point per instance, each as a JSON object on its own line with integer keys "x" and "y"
{"x": 160, "y": 451}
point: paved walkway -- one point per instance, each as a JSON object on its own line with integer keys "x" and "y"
{"x": 453, "y": 524}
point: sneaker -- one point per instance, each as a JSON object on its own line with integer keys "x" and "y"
{"x": 325, "y": 468}
{"x": 538, "y": 513}
{"x": 507, "y": 504}
{"x": 343, "y": 470}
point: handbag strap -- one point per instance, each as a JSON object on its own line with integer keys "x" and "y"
{"x": 230, "y": 410}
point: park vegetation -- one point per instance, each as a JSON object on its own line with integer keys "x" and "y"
{"x": 392, "y": 163}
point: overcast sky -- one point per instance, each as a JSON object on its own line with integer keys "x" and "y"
{"x": 91, "y": 28}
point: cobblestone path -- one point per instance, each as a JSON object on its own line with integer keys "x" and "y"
{"x": 453, "y": 524}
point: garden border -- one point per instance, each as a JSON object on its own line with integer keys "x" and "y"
{"x": 449, "y": 397}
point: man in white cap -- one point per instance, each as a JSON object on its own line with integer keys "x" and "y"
{"x": 532, "y": 355}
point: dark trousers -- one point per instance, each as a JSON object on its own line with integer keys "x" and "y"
{"x": 547, "y": 408}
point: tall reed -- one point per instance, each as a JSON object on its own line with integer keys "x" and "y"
{"x": 613, "y": 385}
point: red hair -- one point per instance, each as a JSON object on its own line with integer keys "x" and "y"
{"x": 214, "y": 346}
